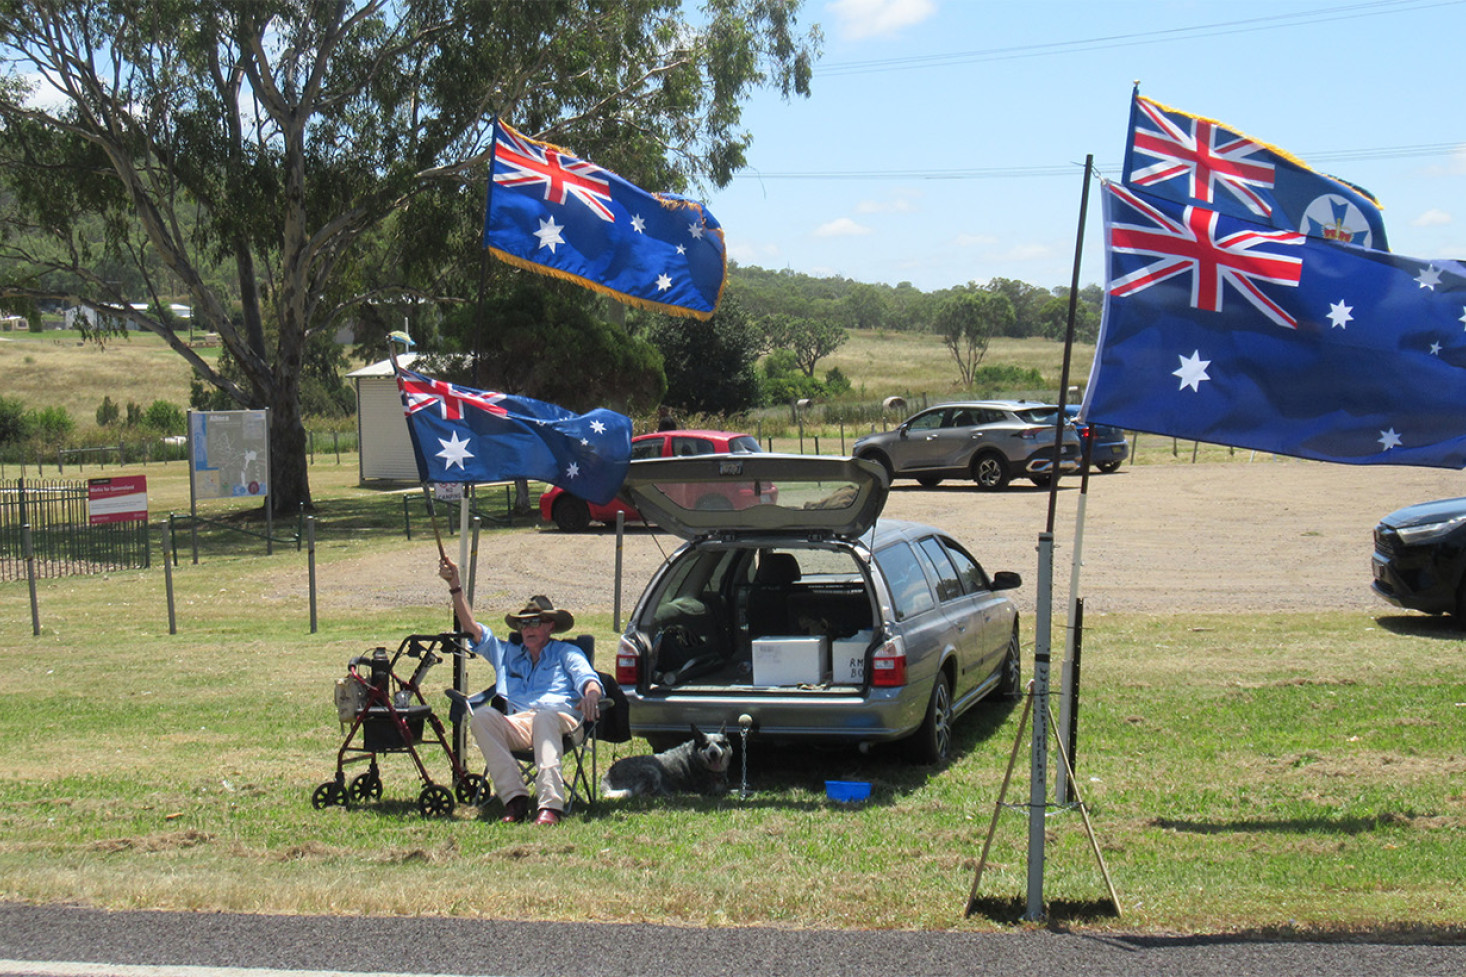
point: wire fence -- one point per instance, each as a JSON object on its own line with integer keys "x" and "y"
{"x": 62, "y": 539}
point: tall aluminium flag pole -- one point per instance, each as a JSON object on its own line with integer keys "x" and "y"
{"x": 1068, "y": 673}
{"x": 1038, "y": 777}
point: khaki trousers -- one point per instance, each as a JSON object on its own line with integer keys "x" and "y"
{"x": 543, "y": 729}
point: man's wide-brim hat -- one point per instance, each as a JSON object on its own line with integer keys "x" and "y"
{"x": 539, "y": 606}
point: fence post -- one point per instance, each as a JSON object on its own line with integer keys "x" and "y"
{"x": 407, "y": 518}
{"x": 168, "y": 572}
{"x": 30, "y": 575}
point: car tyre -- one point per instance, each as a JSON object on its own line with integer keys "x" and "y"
{"x": 571, "y": 514}
{"x": 1010, "y": 686}
{"x": 990, "y": 471}
{"x": 929, "y": 481}
{"x": 932, "y": 743}
{"x": 1108, "y": 467}
{"x": 884, "y": 462}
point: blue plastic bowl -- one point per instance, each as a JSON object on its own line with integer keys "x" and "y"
{"x": 847, "y": 791}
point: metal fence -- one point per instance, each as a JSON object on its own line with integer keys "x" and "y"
{"x": 63, "y": 541}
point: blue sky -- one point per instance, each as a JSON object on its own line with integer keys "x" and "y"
{"x": 945, "y": 139}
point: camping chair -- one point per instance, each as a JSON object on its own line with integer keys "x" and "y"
{"x": 579, "y": 746}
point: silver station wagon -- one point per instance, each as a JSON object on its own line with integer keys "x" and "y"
{"x": 808, "y": 614}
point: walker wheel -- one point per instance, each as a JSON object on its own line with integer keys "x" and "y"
{"x": 471, "y": 788}
{"x": 365, "y": 787}
{"x": 329, "y": 794}
{"x": 435, "y": 801}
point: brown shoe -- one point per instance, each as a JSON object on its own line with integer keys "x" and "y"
{"x": 516, "y": 809}
{"x": 548, "y": 815}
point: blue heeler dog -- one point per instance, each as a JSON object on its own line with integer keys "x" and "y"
{"x": 699, "y": 766}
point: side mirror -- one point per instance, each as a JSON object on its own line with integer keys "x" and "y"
{"x": 1007, "y": 580}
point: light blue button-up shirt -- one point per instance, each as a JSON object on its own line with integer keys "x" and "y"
{"x": 556, "y": 682}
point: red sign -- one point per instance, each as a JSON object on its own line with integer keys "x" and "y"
{"x": 123, "y": 499}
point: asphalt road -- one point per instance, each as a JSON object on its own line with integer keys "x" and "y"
{"x": 124, "y": 941}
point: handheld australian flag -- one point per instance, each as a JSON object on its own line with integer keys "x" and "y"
{"x": 1193, "y": 160}
{"x": 1233, "y": 332}
{"x": 554, "y": 214}
{"x": 464, "y": 435}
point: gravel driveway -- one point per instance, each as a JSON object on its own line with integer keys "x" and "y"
{"x": 1265, "y": 535}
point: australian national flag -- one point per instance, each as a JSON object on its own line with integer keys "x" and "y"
{"x": 1192, "y": 160}
{"x": 552, "y": 213}
{"x": 464, "y": 435}
{"x": 1233, "y": 332}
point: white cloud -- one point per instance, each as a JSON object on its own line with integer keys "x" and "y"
{"x": 974, "y": 240}
{"x": 843, "y": 227}
{"x": 875, "y": 18}
{"x": 1431, "y": 218}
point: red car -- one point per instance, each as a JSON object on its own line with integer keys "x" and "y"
{"x": 573, "y": 514}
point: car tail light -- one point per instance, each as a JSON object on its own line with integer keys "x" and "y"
{"x": 628, "y": 663}
{"x": 888, "y": 665}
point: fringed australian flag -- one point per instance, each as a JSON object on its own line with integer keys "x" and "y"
{"x": 554, "y": 214}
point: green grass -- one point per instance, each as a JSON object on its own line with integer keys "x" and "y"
{"x": 1287, "y": 773}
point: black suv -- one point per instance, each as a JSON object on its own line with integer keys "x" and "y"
{"x": 1420, "y": 556}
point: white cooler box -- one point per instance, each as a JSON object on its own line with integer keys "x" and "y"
{"x": 790, "y": 660}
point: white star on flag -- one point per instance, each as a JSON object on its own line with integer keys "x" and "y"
{"x": 573, "y": 471}
{"x": 1340, "y": 314}
{"x": 599, "y": 427}
{"x": 1389, "y": 439}
{"x": 664, "y": 282}
{"x": 1429, "y": 277}
{"x": 638, "y": 224}
{"x": 454, "y": 452}
{"x": 549, "y": 234}
{"x": 696, "y": 230}
{"x": 1192, "y": 371}
{"x": 1435, "y": 349}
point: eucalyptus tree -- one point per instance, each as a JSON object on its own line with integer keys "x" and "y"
{"x": 282, "y": 163}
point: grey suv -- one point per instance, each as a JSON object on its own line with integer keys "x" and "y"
{"x": 988, "y": 441}
{"x": 806, "y": 614}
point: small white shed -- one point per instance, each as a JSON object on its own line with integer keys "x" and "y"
{"x": 381, "y": 428}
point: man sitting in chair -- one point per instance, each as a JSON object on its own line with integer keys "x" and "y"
{"x": 544, "y": 683}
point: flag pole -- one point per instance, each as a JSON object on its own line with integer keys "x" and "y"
{"x": 1043, "y": 618}
{"x": 1065, "y": 732}
{"x": 393, "y": 338}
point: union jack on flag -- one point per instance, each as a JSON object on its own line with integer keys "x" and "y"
{"x": 532, "y": 164}
{"x": 1193, "y": 160}
{"x": 1209, "y": 156}
{"x": 420, "y": 392}
{"x": 1192, "y": 246}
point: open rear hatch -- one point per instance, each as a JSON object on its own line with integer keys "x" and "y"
{"x": 732, "y": 495}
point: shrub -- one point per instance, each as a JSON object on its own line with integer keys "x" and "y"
{"x": 14, "y": 421}
{"x": 108, "y": 412}
{"x": 50, "y": 425}
{"x": 164, "y": 417}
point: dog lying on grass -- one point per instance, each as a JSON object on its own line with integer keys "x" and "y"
{"x": 699, "y": 766}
